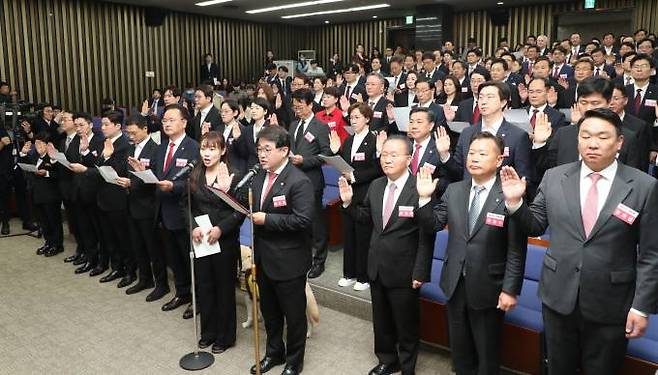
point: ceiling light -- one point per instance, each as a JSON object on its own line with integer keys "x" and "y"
{"x": 296, "y": 5}
{"x": 326, "y": 21}
{"x": 500, "y": 3}
{"x": 347, "y": 10}
{"x": 374, "y": 16}
{"x": 211, "y": 2}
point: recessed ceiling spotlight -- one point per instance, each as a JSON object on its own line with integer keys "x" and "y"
{"x": 326, "y": 21}
{"x": 500, "y": 3}
{"x": 374, "y": 16}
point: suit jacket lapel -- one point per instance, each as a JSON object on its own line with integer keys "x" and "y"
{"x": 571, "y": 191}
{"x": 378, "y": 208}
{"x": 404, "y": 197}
{"x": 179, "y": 150}
{"x": 620, "y": 188}
{"x": 257, "y": 188}
{"x": 494, "y": 199}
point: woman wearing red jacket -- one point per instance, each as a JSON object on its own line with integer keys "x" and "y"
{"x": 331, "y": 114}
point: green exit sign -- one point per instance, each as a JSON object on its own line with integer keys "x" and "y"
{"x": 590, "y": 4}
{"x": 409, "y": 20}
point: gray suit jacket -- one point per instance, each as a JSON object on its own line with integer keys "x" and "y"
{"x": 493, "y": 256}
{"x": 612, "y": 270}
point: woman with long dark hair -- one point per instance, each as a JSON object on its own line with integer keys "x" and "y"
{"x": 451, "y": 94}
{"x": 216, "y": 273}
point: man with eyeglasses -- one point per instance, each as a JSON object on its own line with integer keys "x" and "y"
{"x": 174, "y": 154}
{"x": 399, "y": 258}
{"x": 283, "y": 215}
{"x": 351, "y": 88}
{"x": 638, "y": 126}
{"x": 643, "y": 95}
{"x": 584, "y": 68}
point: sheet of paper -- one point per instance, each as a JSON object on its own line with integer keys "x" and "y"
{"x": 338, "y": 162}
{"x": 28, "y": 167}
{"x": 567, "y": 113}
{"x": 391, "y": 82}
{"x": 109, "y": 174}
{"x": 229, "y": 200}
{"x": 458, "y": 126}
{"x": 349, "y": 130}
{"x": 146, "y": 175}
{"x": 203, "y": 248}
{"x": 61, "y": 158}
{"x": 402, "y": 117}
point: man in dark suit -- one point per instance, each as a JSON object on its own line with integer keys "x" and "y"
{"x": 399, "y": 76}
{"x": 308, "y": 140}
{"x": 377, "y": 102}
{"x": 207, "y": 117}
{"x": 150, "y": 260}
{"x": 46, "y": 122}
{"x": 550, "y": 150}
{"x": 538, "y": 99}
{"x": 487, "y": 256}
{"x": 209, "y": 70}
{"x": 643, "y": 95}
{"x": 70, "y": 147}
{"x": 424, "y": 154}
{"x": 608, "y": 45}
{"x": 283, "y": 215}
{"x": 500, "y": 73}
{"x": 399, "y": 259}
{"x": 45, "y": 194}
{"x": 576, "y": 48}
{"x": 584, "y": 69}
{"x": 467, "y": 109}
{"x": 492, "y": 99}
{"x": 430, "y": 71}
{"x": 425, "y": 91}
{"x": 284, "y": 81}
{"x": 173, "y": 155}
{"x": 598, "y": 282}
{"x": 85, "y": 186}
{"x": 561, "y": 69}
{"x": 351, "y": 88}
{"x": 642, "y": 130}
{"x": 600, "y": 64}
{"x": 156, "y": 103}
{"x": 112, "y": 201}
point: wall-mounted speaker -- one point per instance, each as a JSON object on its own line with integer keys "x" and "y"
{"x": 154, "y": 17}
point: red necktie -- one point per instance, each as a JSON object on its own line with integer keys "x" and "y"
{"x": 533, "y": 119}
{"x": 530, "y": 68}
{"x": 590, "y": 210}
{"x": 476, "y": 114}
{"x": 390, "y": 203}
{"x": 556, "y": 72}
{"x": 348, "y": 92}
{"x": 414, "y": 159}
{"x": 638, "y": 102}
{"x": 170, "y": 156}
{"x": 271, "y": 176}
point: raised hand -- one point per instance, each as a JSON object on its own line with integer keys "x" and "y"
{"x": 424, "y": 183}
{"x": 563, "y": 82}
{"x": 442, "y": 142}
{"x": 523, "y": 92}
{"x": 619, "y": 69}
{"x": 108, "y": 148}
{"x": 145, "y": 107}
{"x": 84, "y": 143}
{"x": 344, "y": 103}
{"x": 543, "y": 129}
{"x": 513, "y": 186}
{"x": 381, "y": 138}
{"x": 346, "y": 192}
{"x": 390, "y": 113}
{"x": 278, "y": 102}
{"x": 449, "y": 112}
{"x": 51, "y": 150}
{"x": 135, "y": 164}
{"x": 26, "y": 147}
{"x": 205, "y": 127}
{"x": 359, "y": 98}
{"x": 274, "y": 120}
{"x": 526, "y": 78}
{"x": 575, "y": 114}
{"x": 334, "y": 142}
{"x": 224, "y": 179}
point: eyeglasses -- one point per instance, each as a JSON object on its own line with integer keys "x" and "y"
{"x": 170, "y": 120}
{"x": 264, "y": 151}
{"x": 641, "y": 66}
{"x": 392, "y": 156}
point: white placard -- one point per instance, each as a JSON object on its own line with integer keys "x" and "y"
{"x": 203, "y": 248}
{"x": 402, "y": 117}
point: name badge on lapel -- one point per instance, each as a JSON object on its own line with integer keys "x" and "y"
{"x": 464, "y": 89}
{"x": 406, "y": 211}
{"x": 94, "y": 153}
{"x": 625, "y": 214}
{"x": 145, "y": 162}
{"x": 180, "y": 163}
{"x": 377, "y": 114}
{"x": 354, "y": 96}
{"x": 309, "y": 137}
{"x": 650, "y": 102}
{"x": 402, "y": 86}
{"x": 495, "y": 220}
{"x": 563, "y": 76}
{"x": 431, "y": 167}
{"x": 359, "y": 156}
{"x": 332, "y": 125}
{"x": 279, "y": 201}
{"x": 506, "y": 152}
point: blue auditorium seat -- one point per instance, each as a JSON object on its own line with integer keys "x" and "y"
{"x": 331, "y": 193}
{"x": 527, "y": 313}
{"x": 440, "y": 244}
{"x": 245, "y": 233}
{"x": 431, "y": 290}
{"x": 646, "y": 347}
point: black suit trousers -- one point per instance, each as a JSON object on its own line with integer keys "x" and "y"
{"x": 50, "y": 218}
{"x": 177, "y": 251}
{"x": 72, "y": 220}
{"x": 281, "y": 300}
{"x": 573, "y": 342}
{"x": 150, "y": 259}
{"x": 13, "y": 180}
{"x": 216, "y": 275}
{"x": 116, "y": 242}
{"x": 320, "y": 233}
{"x": 356, "y": 242}
{"x": 89, "y": 226}
{"x": 475, "y": 335}
{"x": 396, "y": 323}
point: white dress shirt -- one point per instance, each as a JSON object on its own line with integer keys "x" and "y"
{"x": 140, "y": 146}
{"x": 603, "y": 185}
{"x": 278, "y": 173}
{"x": 204, "y": 113}
{"x": 357, "y": 141}
{"x": 177, "y": 143}
{"x": 493, "y": 127}
{"x": 399, "y": 185}
{"x": 483, "y": 194}
{"x": 422, "y": 149}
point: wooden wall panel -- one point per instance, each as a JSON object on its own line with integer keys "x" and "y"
{"x": 76, "y": 52}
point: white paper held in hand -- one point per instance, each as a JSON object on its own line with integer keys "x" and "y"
{"x": 147, "y": 176}
{"x": 109, "y": 174}
{"x": 28, "y": 167}
{"x": 203, "y": 248}
{"x": 61, "y": 158}
{"x": 338, "y": 162}
{"x": 402, "y": 117}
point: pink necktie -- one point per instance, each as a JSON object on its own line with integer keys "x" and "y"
{"x": 390, "y": 203}
{"x": 414, "y": 159}
{"x": 271, "y": 176}
{"x": 590, "y": 210}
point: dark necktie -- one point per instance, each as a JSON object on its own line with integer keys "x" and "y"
{"x": 638, "y": 102}
{"x": 299, "y": 135}
{"x": 475, "y": 207}
{"x": 533, "y": 119}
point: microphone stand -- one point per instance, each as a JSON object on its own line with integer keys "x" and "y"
{"x": 254, "y": 292}
{"x": 195, "y": 360}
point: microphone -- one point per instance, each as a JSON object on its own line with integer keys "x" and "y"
{"x": 250, "y": 174}
{"x": 185, "y": 170}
